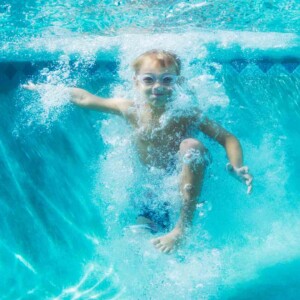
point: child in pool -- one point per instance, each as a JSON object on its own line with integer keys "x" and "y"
{"x": 156, "y": 75}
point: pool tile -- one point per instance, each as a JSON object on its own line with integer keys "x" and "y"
{"x": 28, "y": 69}
{"x": 10, "y": 71}
{"x": 239, "y": 64}
{"x": 265, "y": 65}
{"x": 290, "y": 66}
{"x": 5, "y": 83}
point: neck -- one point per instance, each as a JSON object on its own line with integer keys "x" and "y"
{"x": 157, "y": 111}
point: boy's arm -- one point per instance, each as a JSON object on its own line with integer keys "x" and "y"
{"x": 233, "y": 150}
{"x": 85, "y": 99}
{"x": 230, "y": 143}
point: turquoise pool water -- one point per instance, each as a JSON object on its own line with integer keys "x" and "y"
{"x": 67, "y": 174}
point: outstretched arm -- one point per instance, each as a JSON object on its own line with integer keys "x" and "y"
{"x": 233, "y": 150}
{"x": 85, "y": 99}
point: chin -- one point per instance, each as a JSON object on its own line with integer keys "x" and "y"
{"x": 158, "y": 104}
{"x": 160, "y": 98}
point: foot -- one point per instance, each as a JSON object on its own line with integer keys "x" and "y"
{"x": 169, "y": 241}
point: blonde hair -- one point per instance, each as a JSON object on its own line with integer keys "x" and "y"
{"x": 163, "y": 57}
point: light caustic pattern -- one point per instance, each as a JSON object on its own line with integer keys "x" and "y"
{"x": 72, "y": 181}
{"x": 114, "y": 17}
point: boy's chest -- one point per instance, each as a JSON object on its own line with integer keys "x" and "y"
{"x": 157, "y": 131}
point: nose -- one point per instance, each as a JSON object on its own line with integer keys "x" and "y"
{"x": 157, "y": 85}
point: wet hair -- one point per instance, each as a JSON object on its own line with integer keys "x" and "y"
{"x": 163, "y": 57}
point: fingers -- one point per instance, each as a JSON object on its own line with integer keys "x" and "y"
{"x": 248, "y": 180}
{"x": 241, "y": 174}
{"x": 241, "y": 170}
{"x": 249, "y": 189}
{"x": 244, "y": 170}
{"x": 237, "y": 171}
{"x": 29, "y": 86}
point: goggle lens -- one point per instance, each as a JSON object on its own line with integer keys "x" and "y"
{"x": 165, "y": 79}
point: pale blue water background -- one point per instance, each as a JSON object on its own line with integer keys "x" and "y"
{"x": 66, "y": 174}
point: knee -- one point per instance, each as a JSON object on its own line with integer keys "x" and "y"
{"x": 193, "y": 151}
{"x": 189, "y": 144}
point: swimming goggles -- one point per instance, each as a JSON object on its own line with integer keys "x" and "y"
{"x": 164, "y": 79}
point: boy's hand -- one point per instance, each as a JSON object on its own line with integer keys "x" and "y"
{"x": 241, "y": 174}
{"x": 30, "y": 86}
{"x": 39, "y": 87}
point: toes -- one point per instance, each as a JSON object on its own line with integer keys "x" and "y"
{"x": 167, "y": 250}
{"x": 158, "y": 246}
{"x": 163, "y": 248}
{"x": 155, "y": 241}
{"x": 162, "y": 245}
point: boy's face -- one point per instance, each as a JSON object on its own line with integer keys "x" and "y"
{"x": 156, "y": 83}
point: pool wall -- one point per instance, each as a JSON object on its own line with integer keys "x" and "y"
{"x": 237, "y": 51}
{"x": 60, "y": 229}
{"x": 14, "y": 73}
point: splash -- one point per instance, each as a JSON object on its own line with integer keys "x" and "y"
{"x": 235, "y": 239}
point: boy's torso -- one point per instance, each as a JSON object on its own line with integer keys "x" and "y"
{"x": 158, "y": 138}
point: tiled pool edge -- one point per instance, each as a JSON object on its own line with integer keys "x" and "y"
{"x": 14, "y": 73}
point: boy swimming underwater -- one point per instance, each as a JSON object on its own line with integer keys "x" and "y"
{"x": 157, "y": 73}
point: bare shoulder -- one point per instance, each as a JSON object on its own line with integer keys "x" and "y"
{"x": 193, "y": 116}
{"x": 122, "y": 103}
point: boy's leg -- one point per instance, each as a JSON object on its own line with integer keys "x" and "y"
{"x": 194, "y": 160}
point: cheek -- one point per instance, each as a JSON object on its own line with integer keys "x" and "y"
{"x": 142, "y": 89}
{"x": 146, "y": 90}
{"x": 169, "y": 90}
